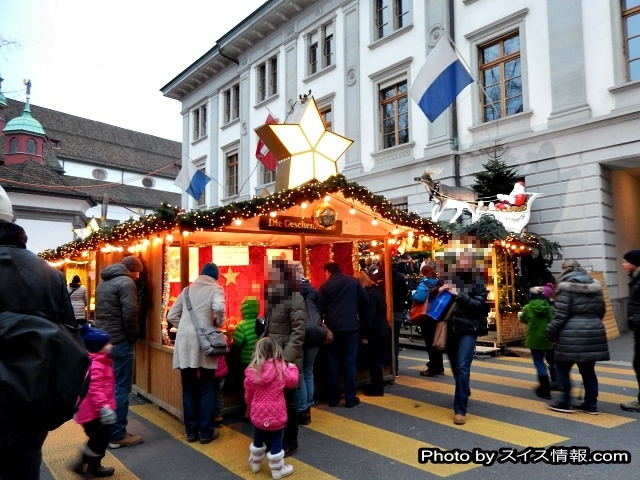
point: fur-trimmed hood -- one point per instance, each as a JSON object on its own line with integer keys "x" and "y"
{"x": 578, "y": 281}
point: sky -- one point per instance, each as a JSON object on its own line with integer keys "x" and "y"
{"x": 106, "y": 61}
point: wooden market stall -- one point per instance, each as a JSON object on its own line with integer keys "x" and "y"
{"x": 315, "y": 223}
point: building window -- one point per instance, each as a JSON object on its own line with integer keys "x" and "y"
{"x": 148, "y": 182}
{"x": 13, "y": 145}
{"x": 267, "y": 79}
{"x": 321, "y": 48}
{"x": 400, "y": 204}
{"x": 232, "y": 103}
{"x": 232, "y": 174}
{"x": 327, "y": 116}
{"x": 391, "y": 15}
{"x": 199, "y": 116}
{"x": 394, "y": 107}
{"x": 99, "y": 174}
{"x": 267, "y": 175}
{"x": 501, "y": 77}
{"x": 54, "y": 143}
{"x": 31, "y": 146}
{"x": 631, "y": 21}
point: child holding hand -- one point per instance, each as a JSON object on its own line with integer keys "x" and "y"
{"x": 97, "y": 410}
{"x": 266, "y": 377}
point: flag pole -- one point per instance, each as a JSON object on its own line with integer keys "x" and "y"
{"x": 459, "y": 54}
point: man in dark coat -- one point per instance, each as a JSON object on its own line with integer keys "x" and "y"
{"x": 117, "y": 314}
{"x": 579, "y": 334}
{"x": 341, "y": 299}
{"x": 31, "y": 286}
{"x": 631, "y": 264}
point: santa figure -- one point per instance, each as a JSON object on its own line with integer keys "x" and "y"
{"x": 516, "y": 198}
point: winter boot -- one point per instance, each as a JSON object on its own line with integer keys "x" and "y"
{"x": 256, "y": 455}
{"x": 553, "y": 384}
{"x": 277, "y": 466}
{"x": 95, "y": 469}
{"x": 543, "y": 391}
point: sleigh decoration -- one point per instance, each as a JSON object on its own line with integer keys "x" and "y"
{"x": 514, "y": 219}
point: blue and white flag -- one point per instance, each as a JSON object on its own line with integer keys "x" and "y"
{"x": 440, "y": 80}
{"x": 192, "y": 180}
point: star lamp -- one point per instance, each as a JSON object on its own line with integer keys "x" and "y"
{"x": 305, "y": 149}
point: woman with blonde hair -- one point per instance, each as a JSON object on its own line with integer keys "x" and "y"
{"x": 375, "y": 333}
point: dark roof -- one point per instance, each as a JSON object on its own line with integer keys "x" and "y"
{"x": 102, "y": 144}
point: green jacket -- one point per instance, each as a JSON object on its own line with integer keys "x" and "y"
{"x": 536, "y": 315}
{"x": 245, "y": 338}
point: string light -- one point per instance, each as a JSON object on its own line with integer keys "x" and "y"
{"x": 374, "y": 222}
{"x": 396, "y": 231}
{"x": 238, "y": 222}
{"x": 169, "y": 238}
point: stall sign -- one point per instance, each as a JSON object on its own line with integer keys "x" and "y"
{"x": 298, "y": 225}
{"x": 351, "y": 226}
{"x": 232, "y": 256}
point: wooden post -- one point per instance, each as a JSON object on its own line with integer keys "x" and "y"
{"x": 303, "y": 253}
{"x": 184, "y": 261}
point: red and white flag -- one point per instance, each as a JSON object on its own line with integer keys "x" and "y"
{"x": 262, "y": 152}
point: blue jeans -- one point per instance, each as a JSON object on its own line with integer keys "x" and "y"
{"x": 198, "y": 401}
{"x": 460, "y": 349}
{"x": 589, "y": 379}
{"x": 123, "y": 357}
{"x": 273, "y": 439}
{"x": 306, "y": 390}
{"x": 538, "y": 361}
{"x": 218, "y": 389}
{"x": 341, "y": 355}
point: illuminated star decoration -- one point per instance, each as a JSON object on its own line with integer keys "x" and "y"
{"x": 230, "y": 276}
{"x": 305, "y": 149}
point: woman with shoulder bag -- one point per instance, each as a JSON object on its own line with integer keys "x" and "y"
{"x": 197, "y": 369}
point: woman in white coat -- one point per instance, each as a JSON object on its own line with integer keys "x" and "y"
{"x": 196, "y": 369}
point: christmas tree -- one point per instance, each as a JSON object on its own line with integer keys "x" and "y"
{"x": 496, "y": 178}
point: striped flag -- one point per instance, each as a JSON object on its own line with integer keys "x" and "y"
{"x": 192, "y": 180}
{"x": 440, "y": 80}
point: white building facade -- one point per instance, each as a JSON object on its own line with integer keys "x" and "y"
{"x": 560, "y": 102}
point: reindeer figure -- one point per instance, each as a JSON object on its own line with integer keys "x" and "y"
{"x": 444, "y": 196}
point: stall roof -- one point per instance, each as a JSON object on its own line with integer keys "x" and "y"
{"x": 218, "y": 225}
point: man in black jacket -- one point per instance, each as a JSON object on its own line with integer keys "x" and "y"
{"x": 28, "y": 285}
{"x": 631, "y": 264}
{"x": 341, "y": 299}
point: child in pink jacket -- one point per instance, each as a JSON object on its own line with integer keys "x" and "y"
{"x": 97, "y": 410}
{"x": 266, "y": 377}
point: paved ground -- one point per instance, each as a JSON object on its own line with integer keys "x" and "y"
{"x": 381, "y": 438}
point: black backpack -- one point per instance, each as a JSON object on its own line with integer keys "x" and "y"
{"x": 44, "y": 372}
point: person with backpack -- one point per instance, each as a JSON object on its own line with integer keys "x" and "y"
{"x": 97, "y": 411}
{"x": 79, "y": 299}
{"x": 31, "y": 293}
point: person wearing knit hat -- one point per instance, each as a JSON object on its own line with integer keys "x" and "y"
{"x": 6, "y": 209}
{"x": 245, "y": 336}
{"x": 631, "y": 265}
{"x": 210, "y": 269}
{"x": 133, "y": 264}
{"x": 96, "y": 412}
{"x": 547, "y": 290}
{"x": 116, "y": 312}
{"x": 536, "y": 315}
{"x": 205, "y": 300}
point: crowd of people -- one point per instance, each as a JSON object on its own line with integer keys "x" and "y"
{"x": 564, "y": 327}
